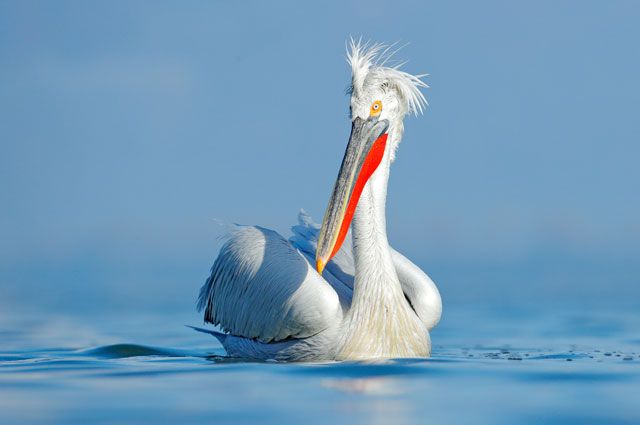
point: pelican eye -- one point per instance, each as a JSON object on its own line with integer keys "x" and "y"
{"x": 376, "y": 108}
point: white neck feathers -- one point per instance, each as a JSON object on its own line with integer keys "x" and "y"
{"x": 380, "y": 322}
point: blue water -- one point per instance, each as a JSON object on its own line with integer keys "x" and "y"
{"x": 488, "y": 366}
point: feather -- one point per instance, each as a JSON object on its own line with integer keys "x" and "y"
{"x": 261, "y": 287}
{"x": 368, "y": 60}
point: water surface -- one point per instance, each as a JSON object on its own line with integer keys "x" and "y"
{"x": 490, "y": 366}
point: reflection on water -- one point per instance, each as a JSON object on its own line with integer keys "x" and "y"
{"x": 378, "y": 386}
{"x": 388, "y": 410}
{"x": 523, "y": 369}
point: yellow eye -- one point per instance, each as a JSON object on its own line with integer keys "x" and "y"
{"x": 376, "y": 108}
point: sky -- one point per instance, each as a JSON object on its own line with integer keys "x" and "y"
{"x": 130, "y": 130}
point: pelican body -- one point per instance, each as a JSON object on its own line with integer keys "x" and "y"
{"x": 337, "y": 291}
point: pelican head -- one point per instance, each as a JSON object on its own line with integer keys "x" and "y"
{"x": 381, "y": 96}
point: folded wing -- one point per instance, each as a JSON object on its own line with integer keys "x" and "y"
{"x": 261, "y": 287}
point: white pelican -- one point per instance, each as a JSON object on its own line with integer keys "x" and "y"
{"x": 326, "y": 294}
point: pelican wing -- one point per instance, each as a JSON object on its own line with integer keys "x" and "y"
{"x": 261, "y": 287}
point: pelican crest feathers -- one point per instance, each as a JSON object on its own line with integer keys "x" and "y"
{"x": 368, "y": 60}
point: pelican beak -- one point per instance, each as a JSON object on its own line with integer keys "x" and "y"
{"x": 363, "y": 155}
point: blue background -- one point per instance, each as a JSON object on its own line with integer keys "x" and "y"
{"x": 129, "y": 130}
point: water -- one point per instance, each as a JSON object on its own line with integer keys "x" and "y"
{"x": 488, "y": 366}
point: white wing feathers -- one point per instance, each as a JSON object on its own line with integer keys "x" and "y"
{"x": 261, "y": 287}
{"x": 422, "y": 293}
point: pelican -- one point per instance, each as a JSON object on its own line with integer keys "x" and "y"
{"x": 337, "y": 291}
